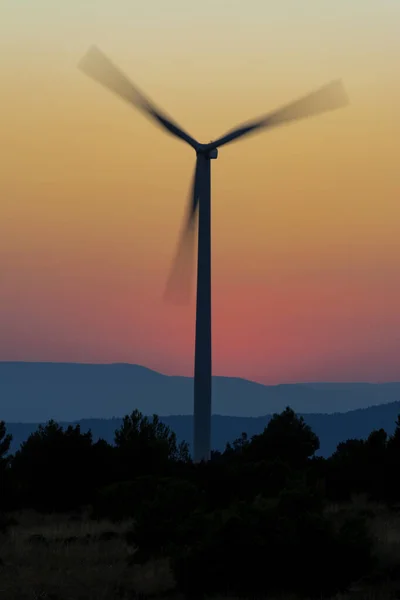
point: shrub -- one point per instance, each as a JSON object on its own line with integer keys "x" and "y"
{"x": 166, "y": 517}
{"x": 115, "y": 502}
{"x": 266, "y": 547}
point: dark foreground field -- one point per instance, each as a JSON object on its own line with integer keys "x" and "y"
{"x": 72, "y": 557}
{"x": 264, "y": 518}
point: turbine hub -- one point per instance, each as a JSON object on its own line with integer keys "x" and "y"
{"x": 203, "y": 149}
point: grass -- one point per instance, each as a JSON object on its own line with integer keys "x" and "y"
{"x": 62, "y": 557}
{"x": 70, "y": 557}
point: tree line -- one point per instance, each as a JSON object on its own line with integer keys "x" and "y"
{"x": 239, "y": 523}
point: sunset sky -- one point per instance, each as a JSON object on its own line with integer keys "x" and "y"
{"x": 306, "y": 218}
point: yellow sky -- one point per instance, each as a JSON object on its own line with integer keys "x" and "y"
{"x": 306, "y": 218}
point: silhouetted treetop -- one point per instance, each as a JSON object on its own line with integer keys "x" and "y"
{"x": 286, "y": 437}
{"x": 145, "y": 445}
{"x": 5, "y": 443}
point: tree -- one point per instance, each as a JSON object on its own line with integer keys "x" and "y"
{"x": 374, "y": 465}
{"x": 393, "y": 464}
{"x": 358, "y": 466}
{"x": 5, "y": 443}
{"x": 54, "y": 468}
{"x": 147, "y": 446}
{"x": 286, "y": 437}
{"x": 346, "y": 472}
{"x": 394, "y": 439}
{"x": 103, "y": 459}
{"x": 238, "y": 445}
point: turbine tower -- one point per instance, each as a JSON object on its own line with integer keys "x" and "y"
{"x": 331, "y": 96}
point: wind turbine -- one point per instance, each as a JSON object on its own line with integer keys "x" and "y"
{"x": 329, "y": 97}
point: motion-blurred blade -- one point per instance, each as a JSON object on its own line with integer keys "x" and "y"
{"x": 329, "y": 97}
{"x": 97, "y": 66}
{"x": 179, "y": 284}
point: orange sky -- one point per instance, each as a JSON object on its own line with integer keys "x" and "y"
{"x": 306, "y": 218}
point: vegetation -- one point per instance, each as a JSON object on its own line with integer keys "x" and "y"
{"x": 264, "y": 518}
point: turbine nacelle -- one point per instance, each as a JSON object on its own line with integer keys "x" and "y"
{"x": 206, "y": 151}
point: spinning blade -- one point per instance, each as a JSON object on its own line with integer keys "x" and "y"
{"x": 179, "y": 282}
{"x": 329, "y": 97}
{"x": 96, "y": 65}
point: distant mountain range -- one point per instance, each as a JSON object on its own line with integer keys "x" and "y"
{"x": 35, "y": 392}
{"x": 331, "y": 429}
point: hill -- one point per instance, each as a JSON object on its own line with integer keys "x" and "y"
{"x": 36, "y": 392}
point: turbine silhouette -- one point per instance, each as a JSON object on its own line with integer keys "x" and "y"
{"x": 329, "y": 97}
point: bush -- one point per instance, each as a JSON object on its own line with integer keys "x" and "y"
{"x": 266, "y": 547}
{"x": 6, "y": 521}
{"x": 115, "y": 502}
{"x": 166, "y": 517}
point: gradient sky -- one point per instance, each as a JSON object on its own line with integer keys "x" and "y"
{"x": 306, "y": 218}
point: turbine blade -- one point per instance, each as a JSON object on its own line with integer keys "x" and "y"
{"x": 329, "y": 97}
{"x": 178, "y": 286}
{"x": 96, "y": 65}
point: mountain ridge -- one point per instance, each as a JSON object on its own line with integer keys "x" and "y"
{"x": 38, "y": 391}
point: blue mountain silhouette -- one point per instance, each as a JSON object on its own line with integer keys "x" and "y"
{"x": 36, "y": 392}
